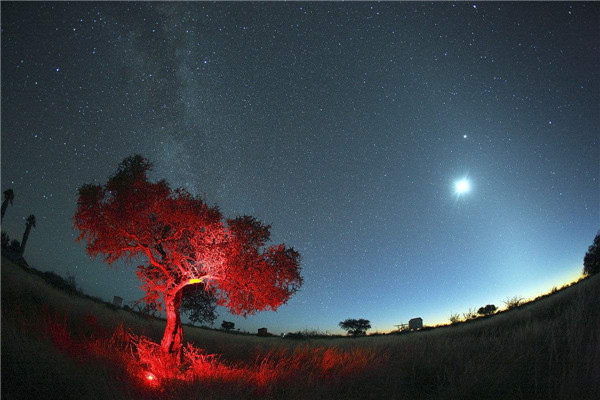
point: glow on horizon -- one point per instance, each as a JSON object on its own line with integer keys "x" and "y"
{"x": 564, "y": 280}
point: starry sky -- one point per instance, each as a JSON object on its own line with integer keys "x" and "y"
{"x": 344, "y": 125}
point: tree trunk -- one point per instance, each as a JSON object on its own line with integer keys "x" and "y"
{"x": 173, "y": 338}
{"x": 25, "y": 237}
{"x": 4, "y": 205}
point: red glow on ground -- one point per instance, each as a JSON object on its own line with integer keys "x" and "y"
{"x": 151, "y": 379}
{"x": 144, "y": 362}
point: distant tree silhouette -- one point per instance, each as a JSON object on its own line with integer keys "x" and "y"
{"x": 185, "y": 242}
{"x": 29, "y": 222}
{"x": 5, "y": 240}
{"x": 199, "y": 304}
{"x": 487, "y": 310}
{"x": 147, "y": 310}
{"x": 356, "y": 327}
{"x": 591, "y": 261}
{"x": 71, "y": 282}
{"x": 15, "y": 246}
{"x": 227, "y": 325}
{"x": 9, "y": 196}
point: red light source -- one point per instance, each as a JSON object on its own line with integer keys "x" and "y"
{"x": 150, "y": 376}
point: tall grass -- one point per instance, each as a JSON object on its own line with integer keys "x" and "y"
{"x": 59, "y": 346}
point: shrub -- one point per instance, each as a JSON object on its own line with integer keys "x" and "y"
{"x": 513, "y": 302}
{"x": 295, "y": 335}
{"x": 71, "y": 283}
{"x": 454, "y": 318}
{"x": 68, "y": 285}
{"x": 469, "y": 315}
{"x": 15, "y": 246}
{"x": 227, "y": 325}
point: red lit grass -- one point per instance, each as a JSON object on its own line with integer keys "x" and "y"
{"x": 147, "y": 365}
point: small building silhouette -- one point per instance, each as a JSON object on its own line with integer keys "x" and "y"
{"x": 117, "y": 301}
{"x": 263, "y": 332}
{"x": 415, "y": 323}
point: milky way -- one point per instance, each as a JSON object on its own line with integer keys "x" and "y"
{"x": 343, "y": 125}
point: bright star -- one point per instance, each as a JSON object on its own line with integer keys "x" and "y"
{"x": 462, "y": 186}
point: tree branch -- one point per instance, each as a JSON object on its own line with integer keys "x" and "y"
{"x": 193, "y": 281}
{"x": 153, "y": 260}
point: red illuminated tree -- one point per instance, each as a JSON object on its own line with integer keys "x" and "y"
{"x": 184, "y": 242}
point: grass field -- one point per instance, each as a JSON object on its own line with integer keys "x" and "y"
{"x": 58, "y": 346}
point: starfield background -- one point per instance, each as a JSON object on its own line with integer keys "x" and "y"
{"x": 432, "y": 160}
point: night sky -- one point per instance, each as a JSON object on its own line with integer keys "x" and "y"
{"x": 346, "y": 126}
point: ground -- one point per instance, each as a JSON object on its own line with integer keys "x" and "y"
{"x": 55, "y": 345}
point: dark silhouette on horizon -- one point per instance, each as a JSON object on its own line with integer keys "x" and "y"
{"x": 227, "y": 325}
{"x": 591, "y": 260}
{"x": 29, "y": 223}
{"x": 9, "y": 196}
{"x": 356, "y": 327}
{"x": 487, "y": 310}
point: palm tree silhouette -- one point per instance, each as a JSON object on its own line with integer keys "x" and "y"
{"x": 9, "y": 196}
{"x": 30, "y": 221}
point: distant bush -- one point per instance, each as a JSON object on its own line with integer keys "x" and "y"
{"x": 471, "y": 314}
{"x": 146, "y": 310}
{"x": 309, "y": 334}
{"x": 15, "y": 246}
{"x": 227, "y": 325}
{"x": 71, "y": 282}
{"x": 112, "y": 306}
{"x": 454, "y": 318}
{"x": 487, "y": 310}
{"x": 68, "y": 285}
{"x": 591, "y": 260}
{"x": 513, "y": 302}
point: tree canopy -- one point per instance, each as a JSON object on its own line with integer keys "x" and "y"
{"x": 184, "y": 242}
{"x": 487, "y": 310}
